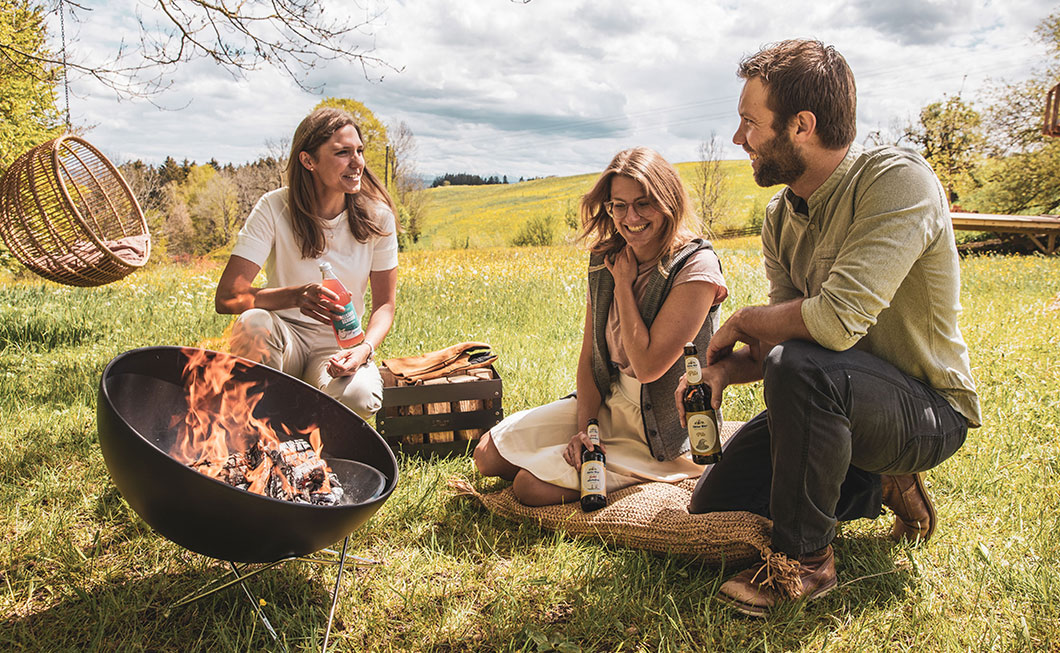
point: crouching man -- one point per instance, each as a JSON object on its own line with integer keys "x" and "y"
{"x": 866, "y": 375}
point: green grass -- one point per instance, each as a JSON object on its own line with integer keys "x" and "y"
{"x": 489, "y": 216}
{"x": 80, "y": 571}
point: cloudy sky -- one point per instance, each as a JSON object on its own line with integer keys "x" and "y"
{"x": 556, "y": 86}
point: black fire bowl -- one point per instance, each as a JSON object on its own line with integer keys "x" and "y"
{"x": 141, "y": 394}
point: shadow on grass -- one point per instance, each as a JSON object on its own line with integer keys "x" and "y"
{"x": 650, "y": 599}
{"x": 872, "y": 570}
{"x": 43, "y": 448}
{"x": 457, "y": 578}
{"x": 134, "y": 615}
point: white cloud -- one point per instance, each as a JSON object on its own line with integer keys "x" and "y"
{"x": 552, "y": 87}
{"x": 919, "y": 22}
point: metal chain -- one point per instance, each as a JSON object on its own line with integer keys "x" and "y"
{"x": 66, "y": 79}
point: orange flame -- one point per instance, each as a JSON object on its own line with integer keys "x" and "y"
{"x": 220, "y": 422}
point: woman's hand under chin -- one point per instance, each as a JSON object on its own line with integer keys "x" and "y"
{"x": 624, "y": 267}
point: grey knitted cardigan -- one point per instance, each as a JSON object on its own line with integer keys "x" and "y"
{"x": 667, "y": 439}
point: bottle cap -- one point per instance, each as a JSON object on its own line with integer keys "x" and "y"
{"x": 690, "y": 349}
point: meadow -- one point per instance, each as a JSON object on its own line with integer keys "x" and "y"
{"x": 488, "y": 216}
{"x": 79, "y": 571}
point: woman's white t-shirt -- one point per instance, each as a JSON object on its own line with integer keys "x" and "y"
{"x": 268, "y": 240}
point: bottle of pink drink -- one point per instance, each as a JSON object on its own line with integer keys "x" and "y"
{"x": 345, "y": 322}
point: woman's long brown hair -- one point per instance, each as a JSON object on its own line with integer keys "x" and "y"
{"x": 315, "y": 130}
{"x": 660, "y": 181}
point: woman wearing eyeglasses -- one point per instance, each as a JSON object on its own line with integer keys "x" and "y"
{"x": 653, "y": 286}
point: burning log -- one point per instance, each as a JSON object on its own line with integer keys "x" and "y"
{"x": 292, "y": 472}
{"x": 234, "y": 469}
{"x": 221, "y": 437}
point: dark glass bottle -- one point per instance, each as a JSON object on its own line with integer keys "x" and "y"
{"x": 594, "y": 471}
{"x": 701, "y": 419}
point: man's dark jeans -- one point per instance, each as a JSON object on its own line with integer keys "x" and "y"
{"x": 834, "y": 421}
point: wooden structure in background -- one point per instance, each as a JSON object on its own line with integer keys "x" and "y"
{"x": 1051, "y": 125}
{"x": 1040, "y": 230}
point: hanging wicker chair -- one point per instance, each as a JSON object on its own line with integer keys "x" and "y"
{"x": 67, "y": 214}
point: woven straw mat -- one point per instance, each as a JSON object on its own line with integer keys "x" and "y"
{"x": 651, "y": 516}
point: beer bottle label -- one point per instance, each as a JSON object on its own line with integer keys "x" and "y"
{"x": 702, "y": 434}
{"x": 693, "y": 373}
{"x": 592, "y": 477}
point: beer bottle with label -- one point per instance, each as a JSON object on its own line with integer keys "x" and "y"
{"x": 702, "y": 421}
{"x": 594, "y": 471}
{"x": 346, "y": 324}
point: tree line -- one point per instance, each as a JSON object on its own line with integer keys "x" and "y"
{"x": 991, "y": 153}
{"x": 467, "y": 179}
{"x": 197, "y": 209}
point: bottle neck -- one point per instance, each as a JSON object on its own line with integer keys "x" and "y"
{"x": 593, "y": 431}
{"x": 693, "y": 372}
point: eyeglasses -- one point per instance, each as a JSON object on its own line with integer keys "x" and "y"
{"x": 616, "y": 209}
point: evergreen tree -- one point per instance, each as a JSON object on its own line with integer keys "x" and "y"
{"x": 171, "y": 171}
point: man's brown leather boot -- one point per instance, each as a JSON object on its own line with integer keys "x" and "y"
{"x": 914, "y": 514}
{"x": 754, "y": 591}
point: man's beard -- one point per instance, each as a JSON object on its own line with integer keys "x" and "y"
{"x": 779, "y": 162}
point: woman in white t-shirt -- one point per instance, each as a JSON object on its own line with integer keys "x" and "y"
{"x": 333, "y": 210}
{"x": 637, "y": 220}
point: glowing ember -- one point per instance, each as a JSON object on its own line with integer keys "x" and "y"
{"x": 220, "y": 437}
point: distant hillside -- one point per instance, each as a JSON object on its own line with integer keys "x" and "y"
{"x": 489, "y": 216}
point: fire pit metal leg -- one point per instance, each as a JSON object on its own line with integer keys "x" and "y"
{"x": 335, "y": 594}
{"x": 238, "y": 578}
{"x": 356, "y": 559}
{"x": 203, "y": 592}
{"x": 256, "y": 604}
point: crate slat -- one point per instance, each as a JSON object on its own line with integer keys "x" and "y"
{"x": 439, "y": 418}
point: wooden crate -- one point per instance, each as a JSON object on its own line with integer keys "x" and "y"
{"x": 442, "y": 416}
